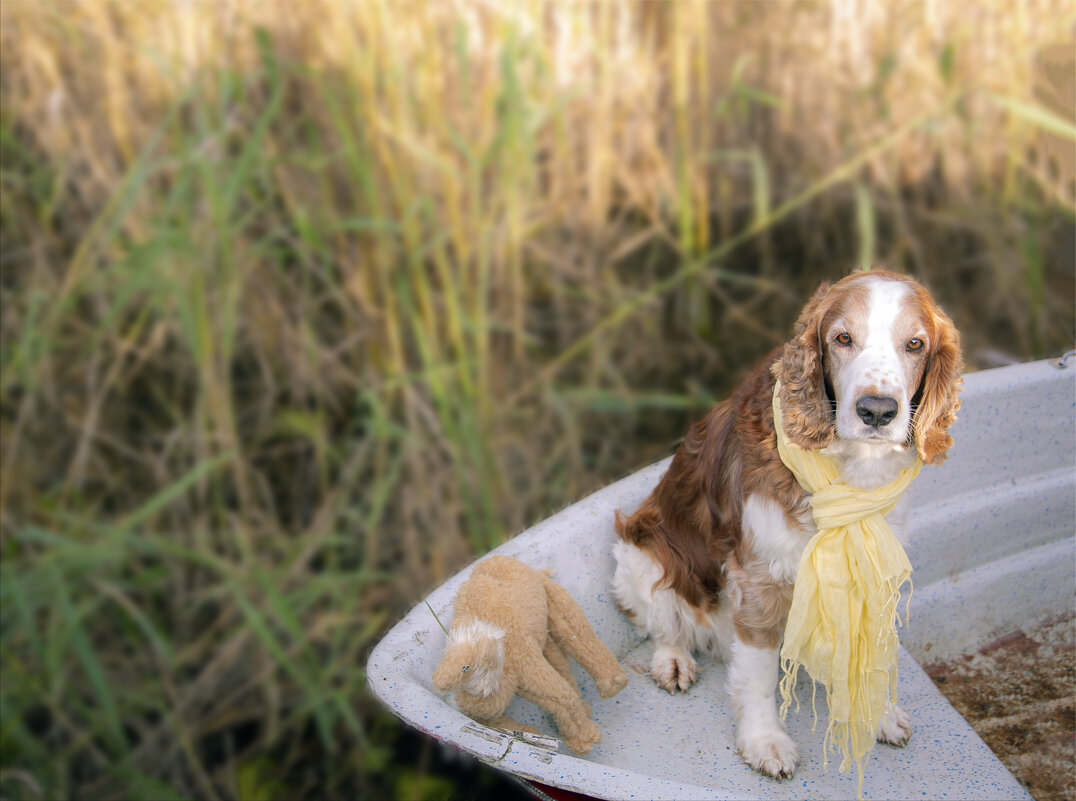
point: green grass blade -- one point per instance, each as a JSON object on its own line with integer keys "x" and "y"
{"x": 1037, "y": 115}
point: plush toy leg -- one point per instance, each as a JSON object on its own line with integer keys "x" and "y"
{"x": 557, "y": 658}
{"x": 544, "y": 686}
{"x": 505, "y": 722}
{"x": 570, "y": 628}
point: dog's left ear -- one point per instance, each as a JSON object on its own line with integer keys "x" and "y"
{"x": 805, "y": 405}
{"x": 938, "y": 401}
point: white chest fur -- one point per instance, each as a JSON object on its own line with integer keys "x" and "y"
{"x": 779, "y": 542}
{"x": 774, "y": 539}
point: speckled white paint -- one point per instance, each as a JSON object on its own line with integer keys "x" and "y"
{"x": 991, "y": 537}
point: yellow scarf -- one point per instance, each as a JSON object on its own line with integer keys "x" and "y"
{"x": 842, "y": 626}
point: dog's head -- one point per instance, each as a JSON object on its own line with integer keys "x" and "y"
{"x": 872, "y": 359}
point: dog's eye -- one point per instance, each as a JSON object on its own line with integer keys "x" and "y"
{"x": 465, "y": 668}
{"x": 843, "y": 338}
{"x": 914, "y": 344}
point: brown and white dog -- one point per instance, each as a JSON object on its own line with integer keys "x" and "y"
{"x": 708, "y": 561}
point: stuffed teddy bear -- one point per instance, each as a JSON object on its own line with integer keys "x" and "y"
{"x": 512, "y": 633}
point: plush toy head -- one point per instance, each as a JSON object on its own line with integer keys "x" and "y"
{"x": 473, "y": 660}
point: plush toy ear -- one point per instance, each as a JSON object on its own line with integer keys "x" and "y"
{"x": 938, "y": 402}
{"x": 805, "y": 405}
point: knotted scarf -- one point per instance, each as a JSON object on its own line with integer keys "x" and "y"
{"x": 842, "y": 626}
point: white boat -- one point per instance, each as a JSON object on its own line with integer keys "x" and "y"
{"x": 991, "y": 539}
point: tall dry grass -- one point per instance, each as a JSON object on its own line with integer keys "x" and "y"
{"x": 305, "y": 305}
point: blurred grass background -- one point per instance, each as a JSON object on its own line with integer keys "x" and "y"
{"x": 305, "y": 305}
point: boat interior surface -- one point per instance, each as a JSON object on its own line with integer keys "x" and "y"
{"x": 991, "y": 539}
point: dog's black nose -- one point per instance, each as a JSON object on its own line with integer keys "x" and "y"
{"x": 876, "y": 412}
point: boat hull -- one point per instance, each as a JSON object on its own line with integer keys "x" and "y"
{"x": 990, "y": 536}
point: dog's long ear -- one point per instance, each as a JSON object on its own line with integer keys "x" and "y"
{"x": 938, "y": 401}
{"x": 805, "y": 405}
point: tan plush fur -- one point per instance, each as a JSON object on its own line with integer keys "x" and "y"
{"x": 512, "y": 633}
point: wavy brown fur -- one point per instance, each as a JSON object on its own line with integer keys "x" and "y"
{"x": 724, "y": 458}
{"x": 938, "y": 402}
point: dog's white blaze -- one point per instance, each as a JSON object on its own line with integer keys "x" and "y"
{"x": 878, "y": 367}
{"x": 880, "y": 356}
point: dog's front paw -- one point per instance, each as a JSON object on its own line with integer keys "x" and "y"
{"x": 673, "y": 668}
{"x": 896, "y": 726}
{"x": 768, "y": 750}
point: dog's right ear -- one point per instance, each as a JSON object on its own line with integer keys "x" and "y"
{"x": 809, "y": 420}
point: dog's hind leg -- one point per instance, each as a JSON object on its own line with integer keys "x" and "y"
{"x": 660, "y": 612}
